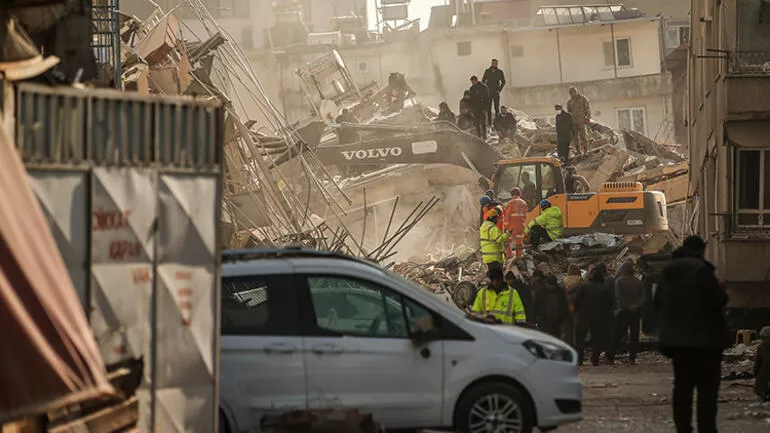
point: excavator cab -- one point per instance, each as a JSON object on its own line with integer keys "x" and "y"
{"x": 618, "y": 207}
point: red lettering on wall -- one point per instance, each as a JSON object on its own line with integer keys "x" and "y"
{"x": 110, "y": 220}
{"x": 185, "y": 304}
{"x": 121, "y": 250}
{"x": 183, "y": 276}
{"x": 141, "y": 276}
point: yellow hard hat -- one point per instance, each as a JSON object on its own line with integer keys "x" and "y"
{"x": 492, "y": 213}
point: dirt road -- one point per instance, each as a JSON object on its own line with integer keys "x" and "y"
{"x": 637, "y": 399}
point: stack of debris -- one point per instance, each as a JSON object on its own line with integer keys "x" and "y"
{"x": 738, "y": 361}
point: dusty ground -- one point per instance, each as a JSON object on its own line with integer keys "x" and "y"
{"x": 637, "y": 399}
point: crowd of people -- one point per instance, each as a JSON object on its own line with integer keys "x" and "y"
{"x": 478, "y": 101}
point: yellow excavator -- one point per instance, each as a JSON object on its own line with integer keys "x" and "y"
{"x": 618, "y": 207}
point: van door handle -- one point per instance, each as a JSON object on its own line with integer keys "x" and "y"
{"x": 279, "y": 348}
{"x": 327, "y": 348}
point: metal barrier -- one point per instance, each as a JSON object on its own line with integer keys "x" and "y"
{"x": 748, "y": 63}
{"x": 131, "y": 186}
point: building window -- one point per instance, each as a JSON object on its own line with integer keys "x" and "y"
{"x": 464, "y": 48}
{"x": 634, "y": 119}
{"x": 677, "y": 35}
{"x": 517, "y": 51}
{"x": 753, "y": 185}
{"x": 621, "y": 54}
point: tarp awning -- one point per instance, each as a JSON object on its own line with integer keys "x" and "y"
{"x": 50, "y": 358}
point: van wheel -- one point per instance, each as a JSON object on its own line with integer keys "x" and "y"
{"x": 494, "y": 407}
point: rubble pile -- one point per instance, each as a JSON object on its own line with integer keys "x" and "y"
{"x": 738, "y": 361}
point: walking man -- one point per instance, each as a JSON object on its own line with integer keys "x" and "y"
{"x": 479, "y": 104}
{"x": 564, "y": 129}
{"x": 693, "y": 333}
{"x": 580, "y": 109}
{"x": 494, "y": 79}
{"x": 629, "y": 296}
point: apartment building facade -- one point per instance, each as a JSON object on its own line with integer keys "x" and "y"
{"x": 729, "y": 126}
{"x": 616, "y": 62}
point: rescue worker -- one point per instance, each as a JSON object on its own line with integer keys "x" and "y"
{"x": 492, "y": 242}
{"x": 505, "y": 124}
{"x": 594, "y": 305}
{"x": 580, "y": 109}
{"x": 466, "y": 121}
{"x": 479, "y": 103}
{"x": 693, "y": 332}
{"x": 629, "y": 297}
{"x": 486, "y": 204}
{"x": 550, "y": 307}
{"x": 564, "y": 129}
{"x": 762, "y": 366}
{"x": 444, "y": 113}
{"x": 499, "y": 300}
{"x": 516, "y": 218}
{"x": 547, "y": 226}
{"x": 494, "y": 79}
{"x": 528, "y": 190}
{"x": 344, "y": 134}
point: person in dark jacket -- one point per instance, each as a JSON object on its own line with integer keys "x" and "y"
{"x": 525, "y": 292}
{"x": 444, "y": 113}
{"x": 494, "y": 79}
{"x": 693, "y": 332}
{"x": 550, "y": 307}
{"x": 466, "y": 121}
{"x": 629, "y": 298}
{"x": 762, "y": 366}
{"x": 594, "y": 305}
{"x": 564, "y": 129}
{"x": 465, "y": 102}
{"x": 479, "y": 103}
{"x": 505, "y": 123}
{"x": 344, "y": 134}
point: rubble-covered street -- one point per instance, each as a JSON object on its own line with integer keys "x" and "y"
{"x": 625, "y": 398}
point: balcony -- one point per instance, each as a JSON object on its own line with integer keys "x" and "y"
{"x": 748, "y": 63}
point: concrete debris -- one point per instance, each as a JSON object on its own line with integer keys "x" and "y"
{"x": 591, "y": 240}
{"x": 738, "y": 361}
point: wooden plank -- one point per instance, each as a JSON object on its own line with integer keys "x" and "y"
{"x": 107, "y": 420}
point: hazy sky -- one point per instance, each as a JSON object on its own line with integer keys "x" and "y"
{"x": 417, "y": 9}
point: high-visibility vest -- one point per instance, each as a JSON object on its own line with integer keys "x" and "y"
{"x": 506, "y": 306}
{"x": 492, "y": 243}
{"x": 516, "y": 215}
{"x": 551, "y": 220}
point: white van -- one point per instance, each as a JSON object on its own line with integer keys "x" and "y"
{"x": 307, "y": 329}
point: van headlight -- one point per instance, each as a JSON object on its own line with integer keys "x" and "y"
{"x": 550, "y": 351}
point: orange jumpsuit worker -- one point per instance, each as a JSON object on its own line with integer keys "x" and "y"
{"x": 516, "y": 217}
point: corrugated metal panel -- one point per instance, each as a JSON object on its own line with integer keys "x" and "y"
{"x": 186, "y": 303}
{"x": 153, "y": 166}
{"x": 64, "y": 198}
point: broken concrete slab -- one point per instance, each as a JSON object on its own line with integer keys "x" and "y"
{"x": 160, "y": 41}
{"x": 611, "y": 165}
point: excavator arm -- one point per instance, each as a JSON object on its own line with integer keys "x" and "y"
{"x": 434, "y": 143}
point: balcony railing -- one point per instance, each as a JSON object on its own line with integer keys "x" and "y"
{"x": 748, "y": 63}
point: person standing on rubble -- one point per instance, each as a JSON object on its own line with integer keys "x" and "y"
{"x": 550, "y": 307}
{"x": 445, "y": 114}
{"x": 693, "y": 332}
{"x": 494, "y": 79}
{"x": 547, "y": 226}
{"x": 492, "y": 242}
{"x": 500, "y": 300}
{"x": 345, "y": 134}
{"x": 580, "y": 110}
{"x": 564, "y": 128}
{"x": 594, "y": 306}
{"x": 516, "y": 218}
{"x": 629, "y": 297}
{"x": 479, "y": 104}
{"x": 505, "y": 124}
